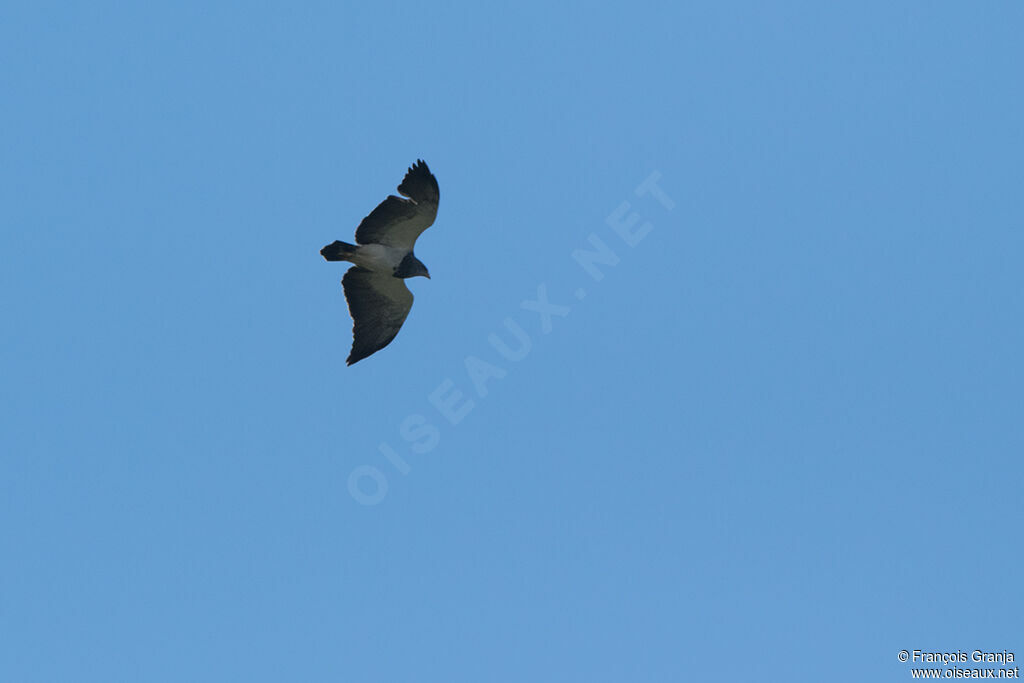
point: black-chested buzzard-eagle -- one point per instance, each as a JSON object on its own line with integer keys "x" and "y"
{"x": 375, "y": 289}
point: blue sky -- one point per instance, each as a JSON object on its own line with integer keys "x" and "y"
{"x": 780, "y": 438}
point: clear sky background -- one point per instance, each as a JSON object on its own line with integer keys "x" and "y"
{"x": 780, "y": 439}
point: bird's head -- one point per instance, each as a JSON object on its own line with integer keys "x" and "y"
{"x": 411, "y": 267}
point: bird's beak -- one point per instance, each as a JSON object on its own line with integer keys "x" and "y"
{"x": 428, "y": 276}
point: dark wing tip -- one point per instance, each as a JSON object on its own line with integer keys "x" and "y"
{"x": 419, "y": 183}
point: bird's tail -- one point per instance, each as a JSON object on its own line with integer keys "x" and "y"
{"x": 338, "y": 251}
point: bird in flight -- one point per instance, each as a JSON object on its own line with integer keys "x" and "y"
{"x": 382, "y": 256}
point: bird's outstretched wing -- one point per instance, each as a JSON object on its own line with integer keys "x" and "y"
{"x": 379, "y": 304}
{"x": 397, "y": 222}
